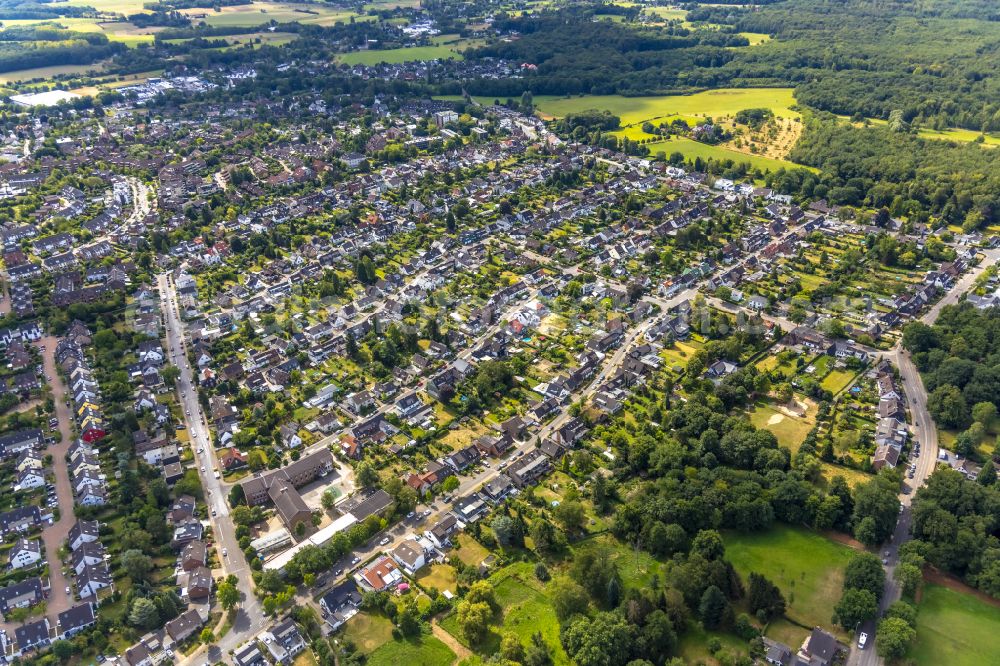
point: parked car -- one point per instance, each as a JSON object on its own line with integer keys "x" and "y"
{"x": 862, "y": 640}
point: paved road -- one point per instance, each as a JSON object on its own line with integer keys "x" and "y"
{"x": 249, "y": 617}
{"x": 54, "y": 536}
{"x": 925, "y": 432}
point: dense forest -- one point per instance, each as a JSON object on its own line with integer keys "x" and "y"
{"x": 934, "y": 61}
{"x": 11, "y": 10}
{"x": 959, "y": 358}
{"x": 911, "y": 176}
{"x": 576, "y": 54}
{"x": 26, "y": 48}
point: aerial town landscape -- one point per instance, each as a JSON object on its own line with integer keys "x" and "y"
{"x": 541, "y": 332}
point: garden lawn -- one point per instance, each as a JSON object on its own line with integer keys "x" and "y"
{"x": 421, "y": 651}
{"x": 955, "y": 629}
{"x": 368, "y": 632}
{"x": 439, "y": 576}
{"x": 806, "y": 566}
{"x": 470, "y": 552}
{"x": 837, "y": 380}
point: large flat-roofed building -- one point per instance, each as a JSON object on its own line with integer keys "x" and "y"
{"x": 48, "y": 98}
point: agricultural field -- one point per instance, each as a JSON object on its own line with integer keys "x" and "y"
{"x": 260, "y": 13}
{"x": 376, "y": 56}
{"x": 444, "y": 47}
{"x": 808, "y": 567}
{"x": 955, "y": 628}
{"x": 124, "y": 7}
{"x": 257, "y": 39}
{"x": 47, "y": 72}
{"x": 716, "y": 103}
{"x": 116, "y": 31}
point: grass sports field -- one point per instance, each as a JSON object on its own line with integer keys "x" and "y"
{"x": 955, "y": 629}
{"x": 808, "y": 567}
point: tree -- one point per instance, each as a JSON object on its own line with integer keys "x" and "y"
{"x": 543, "y": 535}
{"x": 985, "y": 413}
{"x": 481, "y": 592}
{"x": 474, "y": 620}
{"x": 607, "y": 640}
{"x": 568, "y": 597}
{"x": 764, "y": 598}
{"x": 63, "y": 650}
{"x": 947, "y": 405}
{"x": 864, "y": 572}
{"x": 909, "y": 578}
{"x": 657, "y": 637}
{"x": 228, "y": 595}
{"x": 570, "y": 515}
{"x": 511, "y": 648}
{"x": 708, "y": 544}
{"x": 144, "y": 614}
{"x": 366, "y": 475}
{"x": 207, "y": 636}
{"x": 893, "y": 638}
{"x": 988, "y": 475}
{"x": 328, "y": 499}
{"x": 855, "y": 606}
{"x": 137, "y": 564}
{"x": 171, "y": 373}
{"x": 876, "y": 509}
{"x": 537, "y": 652}
{"x": 507, "y": 531}
{"x": 714, "y": 609}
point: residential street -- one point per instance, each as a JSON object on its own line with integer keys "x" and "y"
{"x": 249, "y": 617}
{"x": 924, "y": 431}
{"x": 54, "y": 536}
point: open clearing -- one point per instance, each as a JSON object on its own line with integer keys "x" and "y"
{"x": 790, "y": 430}
{"x": 524, "y": 610}
{"x": 955, "y": 629}
{"x": 691, "y": 149}
{"x": 420, "y": 651}
{"x": 808, "y": 567}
